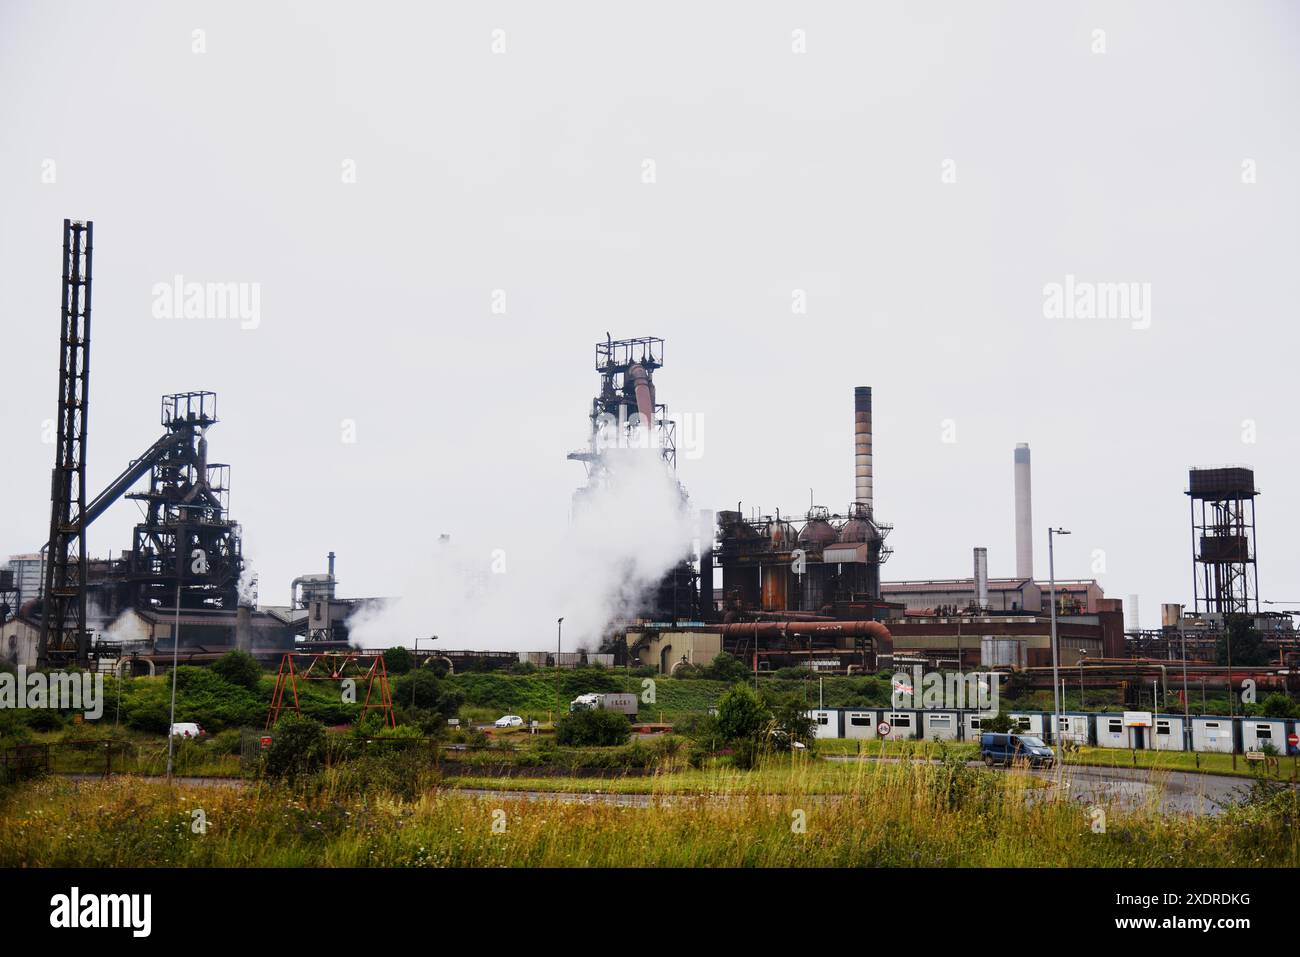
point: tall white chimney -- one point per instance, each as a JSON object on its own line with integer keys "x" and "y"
{"x": 982, "y": 579}
{"x": 1024, "y": 515}
{"x": 862, "y": 491}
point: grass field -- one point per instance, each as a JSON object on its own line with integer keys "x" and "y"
{"x": 887, "y": 814}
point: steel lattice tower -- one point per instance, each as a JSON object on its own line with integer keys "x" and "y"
{"x": 1225, "y": 579}
{"x": 63, "y": 622}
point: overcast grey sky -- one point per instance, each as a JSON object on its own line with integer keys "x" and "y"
{"x": 516, "y": 161}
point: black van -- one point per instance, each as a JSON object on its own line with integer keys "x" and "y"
{"x": 1007, "y": 748}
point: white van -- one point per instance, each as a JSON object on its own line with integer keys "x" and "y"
{"x": 187, "y": 729}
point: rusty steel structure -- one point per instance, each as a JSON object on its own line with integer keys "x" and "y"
{"x": 185, "y": 553}
{"x": 187, "y": 541}
{"x": 338, "y": 667}
{"x": 626, "y": 414}
{"x": 63, "y": 636}
{"x": 1225, "y": 579}
{"x": 829, "y": 566}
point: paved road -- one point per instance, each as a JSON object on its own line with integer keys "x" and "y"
{"x": 1183, "y": 792}
{"x": 1176, "y": 791}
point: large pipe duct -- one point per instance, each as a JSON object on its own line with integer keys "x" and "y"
{"x": 982, "y": 579}
{"x": 789, "y": 629}
{"x": 1024, "y": 515}
{"x": 645, "y": 399}
{"x": 862, "y": 446}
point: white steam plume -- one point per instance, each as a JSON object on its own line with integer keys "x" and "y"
{"x": 625, "y": 535}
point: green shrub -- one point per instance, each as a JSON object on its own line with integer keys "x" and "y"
{"x": 13, "y": 727}
{"x": 423, "y": 689}
{"x": 45, "y": 719}
{"x": 726, "y": 667}
{"x": 398, "y": 661}
{"x": 790, "y": 723}
{"x": 239, "y": 668}
{"x": 1277, "y": 705}
{"x": 297, "y": 748}
{"x": 792, "y": 674}
{"x": 593, "y": 726}
{"x": 999, "y": 723}
{"x": 742, "y": 715}
{"x": 225, "y": 742}
{"x": 702, "y": 731}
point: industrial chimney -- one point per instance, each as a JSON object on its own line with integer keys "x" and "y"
{"x": 1024, "y": 516}
{"x": 862, "y": 447}
{"x": 982, "y": 579}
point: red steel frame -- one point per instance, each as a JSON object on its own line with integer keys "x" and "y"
{"x": 342, "y": 666}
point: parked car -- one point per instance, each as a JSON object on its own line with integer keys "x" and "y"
{"x": 509, "y": 721}
{"x": 187, "y": 729}
{"x": 1008, "y": 748}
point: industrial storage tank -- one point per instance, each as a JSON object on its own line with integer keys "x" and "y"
{"x": 818, "y": 530}
{"x": 858, "y": 528}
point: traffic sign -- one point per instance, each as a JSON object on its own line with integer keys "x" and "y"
{"x": 883, "y": 728}
{"x": 1293, "y": 740}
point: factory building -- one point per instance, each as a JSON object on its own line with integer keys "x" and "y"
{"x": 992, "y": 641}
{"x": 669, "y": 650}
{"x": 25, "y": 584}
{"x": 1005, "y": 595}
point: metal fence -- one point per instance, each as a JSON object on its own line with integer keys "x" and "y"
{"x": 24, "y": 761}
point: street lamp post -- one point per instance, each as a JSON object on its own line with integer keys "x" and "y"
{"x": 1083, "y": 653}
{"x": 176, "y": 641}
{"x": 415, "y": 665}
{"x": 176, "y": 644}
{"x": 1056, "y": 680}
{"x": 559, "y": 628}
{"x": 1187, "y": 701}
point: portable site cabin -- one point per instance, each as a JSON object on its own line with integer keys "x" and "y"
{"x": 1256, "y": 733}
{"x": 826, "y": 722}
{"x": 940, "y": 725}
{"x": 1025, "y": 722}
{"x": 970, "y": 726}
{"x": 902, "y": 724}
{"x": 1113, "y": 733}
{"x": 1168, "y": 733}
{"x": 1213, "y": 734}
{"x": 860, "y": 724}
{"x": 1073, "y": 727}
